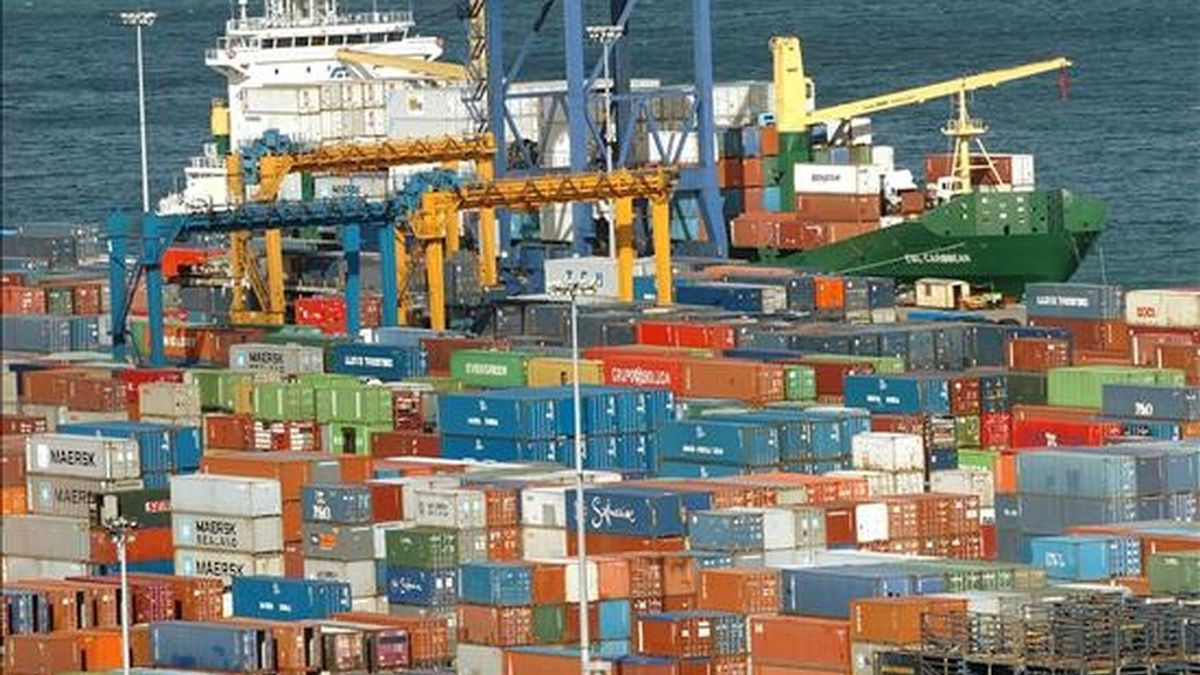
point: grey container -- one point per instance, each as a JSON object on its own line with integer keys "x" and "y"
{"x": 71, "y": 497}
{"x": 227, "y": 533}
{"x": 1161, "y": 403}
{"x": 1075, "y": 301}
{"x": 190, "y": 562}
{"x": 284, "y": 359}
{"x": 472, "y": 546}
{"x": 226, "y": 495}
{"x": 82, "y": 456}
{"x": 346, "y": 543}
{"x": 35, "y": 333}
{"x": 360, "y": 574}
{"x": 48, "y": 537}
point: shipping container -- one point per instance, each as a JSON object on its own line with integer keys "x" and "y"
{"x": 82, "y": 456}
{"x": 284, "y": 359}
{"x": 226, "y": 495}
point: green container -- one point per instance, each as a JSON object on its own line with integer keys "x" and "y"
{"x": 327, "y": 380}
{"x": 60, "y": 300}
{"x": 1175, "y": 572}
{"x": 860, "y": 154}
{"x": 770, "y": 170}
{"x": 308, "y": 186}
{"x": 966, "y": 431}
{"x": 488, "y": 368}
{"x": 220, "y": 390}
{"x": 441, "y": 385}
{"x": 884, "y": 365}
{"x": 1083, "y": 386}
{"x": 359, "y": 405}
{"x": 794, "y": 147}
{"x": 146, "y": 507}
{"x": 1026, "y": 388}
{"x": 822, "y": 155}
{"x": 799, "y": 383}
{"x": 424, "y": 547}
{"x": 343, "y": 438}
{"x": 284, "y": 401}
{"x": 971, "y": 458}
{"x": 549, "y": 624}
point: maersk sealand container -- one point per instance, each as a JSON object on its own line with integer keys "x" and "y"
{"x": 639, "y": 512}
{"x": 287, "y": 599}
{"x": 730, "y": 443}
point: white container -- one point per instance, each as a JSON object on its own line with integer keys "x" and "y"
{"x": 941, "y": 293}
{"x": 544, "y": 507}
{"x": 45, "y": 537}
{"x": 879, "y": 483}
{"x": 838, "y": 179}
{"x": 14, "y": 568}
{"x": 883, "y": 158}
{"x": 408, "y": 494}
{"x": 82, "y": 456}
{"x": 871, "y": 522}
{"x": 360, "y": 574}
{"x": 284, "y": 359}
{"x": 472, "y": 546}
{"x": 224, "y": 533}
{"x": 677, "y": 147}
{"x": 799, "y": 557}
{"x": 883, "y": 451}
{"x": 907, "y": 482}
{"x": 1022, "y": 171}
{"x": 809, "y": 526}
{"x": 478, "y": 660}
{"x": 999, "y": 603}
{"x": 8, "y": 390}
{"x": 543, "y": 542}
{"x": 374, "y": 605}
{"x": 862, "y": 656}
{"x": 454, "y": 508}
{"x": 225, "y": 566}
{"x": 171, "y": 400}
{"x": 226, "y": 495}
{"x": 978, "y": 482}
{"x": 1168, "y": 308}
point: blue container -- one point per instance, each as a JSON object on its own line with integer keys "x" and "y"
{"x": 157, "y": 481}
{"x": 711, "y": 560}
{"x": 941, "y": 459}
{"x": 732, "y": 443}
{"x": 511, "y": 413}
{"x": 640, "y": 512}
{"x": 726, "y": 531}
{"x": 287, "y": 599}
{"x": 154, "y": 440}
{"x": 186, "y": 449}
{"x": 1087, "y": 557}
{"x": 881, "y": 292}
{"x": 85, "y": 333}
{"x": 1095, "y": 302}
{"x": 828, "y": 591}
{"x": 213, "y": 647}
{"x": 341, "y": 504}
{"x": 669, "y": 468}
{"x": 884, "y": 394}
{"x": 615, "y": 619}
{"x": 751, "y": 298}
{"x": 426, "y": 588}
{"x": 491, "y": 449}
{"x": 986, "y": 346}
{"x": 1164, "y": 430}
{"x": 751, "y": 142}
{"x": 405, "y": 336}
{"x": 791, "y": 429}
{"x": 379, "y": 361}
{"x": 499, "y": 584}
{"x": 1157, "y": 403}
{"x": 772, "y": 199}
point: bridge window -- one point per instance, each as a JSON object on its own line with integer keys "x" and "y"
{"x": 378, "y": 37}
{"x": 355, "y": 39}
{"x": 317, "y": 40}
{"x": 283, "y": 43}
{"x": 268, "y": 44}
{"x": 395, "y": 36}
{"x": 301, "y": 42}
{"x": 337, "y": 39}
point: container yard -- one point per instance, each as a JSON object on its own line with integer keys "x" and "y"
{"x": 424, "y": 374}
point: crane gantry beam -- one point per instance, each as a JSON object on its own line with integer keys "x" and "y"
{"x": 438, "y": 217}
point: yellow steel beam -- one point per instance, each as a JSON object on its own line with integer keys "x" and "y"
{"x": 917, "y": 95}
{"x": 623, "y": 227}
{"x": 440, "y": 70}
{"x": 529, "y": 193}
{"x": 488, "y": 274}
{"x": 660, "y": 227}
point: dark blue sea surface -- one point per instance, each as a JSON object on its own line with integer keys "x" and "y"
{"x": 1129, "y": 132}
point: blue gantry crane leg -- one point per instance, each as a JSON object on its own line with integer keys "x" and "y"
{"x": 351, "y": 243}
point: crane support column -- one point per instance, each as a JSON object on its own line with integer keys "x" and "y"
{"x": 497, "y": 87}
{"x": 487, "y": 231}
{"x": 116, "y": 226}
{"x": 622, "y": 70}
{"x": 400, "y": 244}
{"x": 435, "y": 278}
{"x": 388, "y": 281}
{"x": 710, "y": 198}
{"x": 152, "y": 263}
{"x": 351, "y": 243}
{"x": 577, "y": 123}
{"x": 660, "y": 225}
{"x": 623, "y": 224}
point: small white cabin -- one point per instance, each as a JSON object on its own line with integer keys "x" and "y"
{"x": 941, "y": 293}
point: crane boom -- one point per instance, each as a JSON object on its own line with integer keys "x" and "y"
{"x": 922, "y": 94}
{"x": 440, "y": 70}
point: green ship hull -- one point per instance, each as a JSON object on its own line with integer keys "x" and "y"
{"x": 1001, "y": 240}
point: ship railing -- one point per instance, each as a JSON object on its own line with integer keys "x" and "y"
{"x": 357, "y": 18}
{"x": 206, "y": 162}
{"x": 232, "y": 44}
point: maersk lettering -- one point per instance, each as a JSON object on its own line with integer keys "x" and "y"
{"x": 72, "y": 457}
{"x": 216, "y": 533}
{"x": 72, "y": 496}
{"x": 265, "y": 358}
{"x": 219, "y": 568}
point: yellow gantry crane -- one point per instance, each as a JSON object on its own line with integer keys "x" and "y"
{"x": 345, "y": 159}
{"x": 793, "y": 91}
{"x": 437, "y": 220}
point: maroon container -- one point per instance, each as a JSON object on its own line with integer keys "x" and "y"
{"x": 1089, "y": 334}
{"x": 1038, "y": 354}
{"x": 438, "y": 351}
{"x": 405, "y": 444}
{"x": 964, "y": 396}
{"x": 229, "y": 432}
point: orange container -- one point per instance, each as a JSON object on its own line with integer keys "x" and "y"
{"x": 768, "y": 140}
{"x": 292, "y": 519}
{"x": 801, "y": 641}
{"x": 835, "y": 207}
{"x": 771, "y": 669}
{"x": 542, "y": 663}
{"x": 1038, "y": 354}
{"x": 495, "y": 626}
{"x": 13, "y": 500}
{"x": 680, "y": 575}
{"x": 752, "y": 172}
{"x": 610, "y": 544}
{"x": 612, "y": 576}
{"x": 153, "y": 543}
{"x": 831, "y": 292}
{"x": 293, "y": 560}
{"x": 549, "y": 584}
{"x": 429, "y": 637}
{"x": 1185, "y": 357}
{"x": 729, "y": 173}
{"x": 101, "y": 648}
{"x": 504, "y": 543}
{"x": 293, "y": 470}
{"x": 753, "y": 200}
{"x": 742, "y": 591}
{"x": 44, "y": 654}
{"x": 355, "y": 468}
{"x": 1006, "y": 473}
{"x": 897, "y": 621}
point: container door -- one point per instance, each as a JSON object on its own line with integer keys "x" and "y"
{"x": 349, "y": 437}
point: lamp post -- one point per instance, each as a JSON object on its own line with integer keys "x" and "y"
{"x": 120, "y": 530}
{"x": 141, "y": 20}
{"x": 606, "y": 37}
{"x": 573, "y": 287}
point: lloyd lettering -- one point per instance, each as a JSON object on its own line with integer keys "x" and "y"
{"x": 604, "y": 514}
{"x": 72, "y": 457}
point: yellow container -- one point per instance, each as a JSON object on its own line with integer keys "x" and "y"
{"x": 219, "y": 118}
{"x": 544, "y": 371}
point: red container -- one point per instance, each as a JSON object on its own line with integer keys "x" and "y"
{"x": 912, "y": 202}
{"x": 841, "y": 527}
{"x": 87, "y": 298}
{"x": 495, "y": 626}
{"x": 293, "y": 470}
{"x": 995, "y": 430}
{"x": 228, "y": 432}
{"x": 408, "y": 410}
{"x": 643, "y": 370}
{"x": 12, "y": 279}
{"x": 291, "y": 436}
{"x": 21, "y": 425}
{"x": 987, "y": 535}
{"x": 405, "y": 444}
{"x": 329, "y": 313}
{"x": 96, "y": 394}
{"x": 438, "y": 351}
{"x": 550, "y": 663}
{"x": 549, "y": 584}
{"x": 153, "y": 599}
{"x": 1145, "y": 342}
{"x": 742, "y": 591}
{"x": 831, "y": 375}
{"x": 1038, "y": 354}
{"x": 1183, "y": 357}
{"x": 610, "y": 544}
{"x": 42, "y": 654}
{"x": 135, "y": 377}
{"x": 177, "y": 258}
{"x": 293, "y": 558}
{"x": 781, "y": 231}
{"x": 801, "y": 641}
{"x": 899, "y": 424}
{"x": 679, "y": 636}
{"x": 753, "y": 199}
{"x": 942, "y": 165}
{"x": 428, "y": 637}
{"x": 1089, "y": 334}
{"x": 729, "y": 173}
{"x": 1036, "y": 427}
{"x": 750, "y": 381}
{"x": 387, "y": 501}
{"x": 685, "y": 334}
{"x": 153, "y": 543}
{"x": 964, "y": 396}
{"x": 22, "y": 300}
{"x": 504, "y": 543}
{"x": 839, "y": 208}
{"x": 645, "y": 575}
{"x": 752, "y": 172}
{"x": 197, "y": 598}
